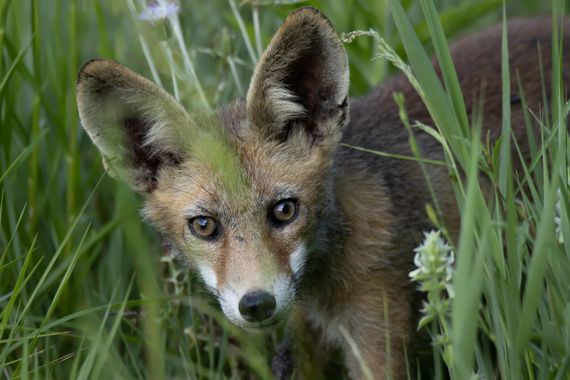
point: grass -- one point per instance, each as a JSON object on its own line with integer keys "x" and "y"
{"x": 84, "y": 289}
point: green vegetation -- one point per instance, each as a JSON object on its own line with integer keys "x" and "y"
{"x": 85, "y": 291}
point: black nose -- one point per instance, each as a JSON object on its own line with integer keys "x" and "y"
{"x": 257, "y": 306}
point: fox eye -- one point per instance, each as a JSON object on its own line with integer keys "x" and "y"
{"x": 284, "y": 211}
{"x": 203, "y": 227}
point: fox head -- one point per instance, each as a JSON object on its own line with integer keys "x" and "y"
{"x": 241, "y": 192}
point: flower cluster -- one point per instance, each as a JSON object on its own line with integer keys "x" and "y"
{"x": 558, "y": 212}
{"x": 434, "y": 261}
{"x": 558, "y": 220}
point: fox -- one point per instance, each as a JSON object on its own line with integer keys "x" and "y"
{"x": 281, "y": 220}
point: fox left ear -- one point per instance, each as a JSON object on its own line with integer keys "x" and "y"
{"x": 301, "y": 82}
{"x": 138, "y": 128}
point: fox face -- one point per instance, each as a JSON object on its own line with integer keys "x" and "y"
{"x": 247, "y": 235}
{"x": 243, "y": 193}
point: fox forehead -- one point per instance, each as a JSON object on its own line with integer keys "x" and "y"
{"x": 274, "y": 167}
{"x": 257, "y": 172}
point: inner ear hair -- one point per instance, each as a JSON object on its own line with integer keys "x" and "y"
{"x": 148, "y": 159}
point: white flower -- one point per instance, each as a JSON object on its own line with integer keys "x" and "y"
{"x": 160, "y": 10}
{"x": 434, "y": 261}
{"x": 558, "y": 213}
{"x": 558, "y": 220}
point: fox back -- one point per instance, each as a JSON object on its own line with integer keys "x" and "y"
{"x": 262, "y": 200}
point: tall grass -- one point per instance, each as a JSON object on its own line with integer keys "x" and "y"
{"x": 508, "y": 255}
{"x": 85, "y": 289}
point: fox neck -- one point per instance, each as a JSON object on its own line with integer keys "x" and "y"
{"x": 324, "y": 251}
{"x": 354, "y": 241}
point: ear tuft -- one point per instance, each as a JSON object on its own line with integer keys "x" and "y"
{"x": 84, "y": 71}
{"x": 137, "y": 126}
{"x": 301, "y": 79}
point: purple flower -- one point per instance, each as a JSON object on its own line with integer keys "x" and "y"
{"x": 159, "y": 10}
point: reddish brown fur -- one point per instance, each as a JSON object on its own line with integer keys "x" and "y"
{"x": 361, "y": 215}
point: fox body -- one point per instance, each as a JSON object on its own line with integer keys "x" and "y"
{"x": 262, "y": 200}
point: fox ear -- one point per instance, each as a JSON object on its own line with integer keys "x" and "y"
{"x": 137, "y": 126}
{"x": 301, "y": 81}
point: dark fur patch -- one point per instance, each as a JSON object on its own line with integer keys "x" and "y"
{"x": 304, "y": 75}
{"x": 282, "y": 364}
{"x": 144, "y": 157}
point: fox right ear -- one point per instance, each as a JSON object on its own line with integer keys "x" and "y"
{"x": 138, "y": 127}
{"x": 301, "y": 82}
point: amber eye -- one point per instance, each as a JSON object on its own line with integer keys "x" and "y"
{"x": 203, "y": 227}
{"x": 284, "y": 211}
